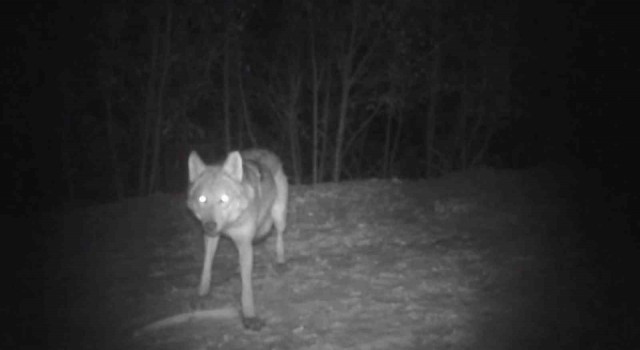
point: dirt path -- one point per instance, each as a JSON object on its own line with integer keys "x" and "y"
{"x": 480, "y": 260}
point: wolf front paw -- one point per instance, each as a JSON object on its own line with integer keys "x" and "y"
{"x": 253, "y": 323}
{"x": 198, "y": 303}
{"x": 203, "y": 290}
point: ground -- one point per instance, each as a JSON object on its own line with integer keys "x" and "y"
{"x": 483, "y": 259}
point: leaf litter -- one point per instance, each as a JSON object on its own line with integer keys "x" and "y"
{"x": 468, "y": 261}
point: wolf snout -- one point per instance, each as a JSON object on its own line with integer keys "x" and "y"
{"x": 210, "y": 228}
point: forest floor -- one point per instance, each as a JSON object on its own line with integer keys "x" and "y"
{"x": 483, "y": 259}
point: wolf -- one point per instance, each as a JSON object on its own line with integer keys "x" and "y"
{"x": 242, "y": 198}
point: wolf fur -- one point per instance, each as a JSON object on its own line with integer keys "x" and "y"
{"x": 242, "y": 198}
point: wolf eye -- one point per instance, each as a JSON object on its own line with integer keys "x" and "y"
{"x": 224, "y": 199}
{"x": 202, "y": 199}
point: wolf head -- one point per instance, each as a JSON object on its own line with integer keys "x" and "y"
{"x": 216, "y": 193}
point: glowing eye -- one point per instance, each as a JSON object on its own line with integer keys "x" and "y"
{"x": 224, "y": 198}
{"x": 202, "y": 199}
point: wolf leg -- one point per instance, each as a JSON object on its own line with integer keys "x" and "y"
{"x": 211, "y": 245}
{"x": 245, "y": 254}
{"x": 279, "y": 242}
{"x": 279, "y": 214}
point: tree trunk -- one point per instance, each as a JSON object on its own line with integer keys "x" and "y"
{"x": 245, "y": 108}
{"x": 225, "y": 82}
{"x": 315, "y": 91}
{"x": 342, "y": 121}
{"x": 351, "y": 70}
{"x": 166, "y": 64}
{"x": 363, "y": 127}
{"x": 387, "y": 145}
{"x": 462, "y": 140}
{"x": 434, "y": 90}
{"x": 396, "y": 139}
{"x": 116, "y": 175}
{"x": 294, "y": 146}
{"x": 295, "y": 85}
{"x": 145, "y": 128}
{"x": 326, "y": 113}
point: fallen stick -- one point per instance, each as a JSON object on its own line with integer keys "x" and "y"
{"x": 191, "y": 316}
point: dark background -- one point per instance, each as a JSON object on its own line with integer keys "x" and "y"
{"x": 560, "y": 83}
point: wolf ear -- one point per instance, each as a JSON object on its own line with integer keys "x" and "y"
{"x": 196, "y": 166}
{"x": 233, "y": 165}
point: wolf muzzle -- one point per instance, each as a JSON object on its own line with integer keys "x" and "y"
{"x": 210, "y": 228}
